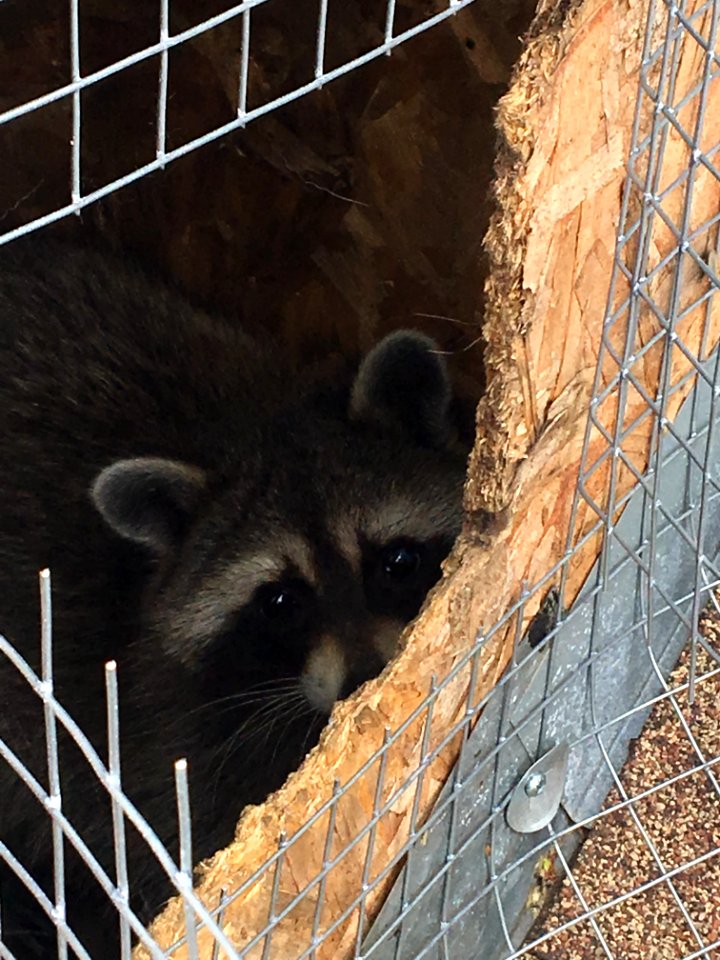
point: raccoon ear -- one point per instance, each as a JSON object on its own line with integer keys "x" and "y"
{"x": 148, "y": 499}
{"x": 404, "y": 382}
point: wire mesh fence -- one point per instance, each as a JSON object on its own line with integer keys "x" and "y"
{"x": 541, "y": 756}
{"x": 252, "y": 100}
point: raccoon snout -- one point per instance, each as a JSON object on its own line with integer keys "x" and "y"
{"x": 324, "y": 674}
{"x": 330, "y": 674}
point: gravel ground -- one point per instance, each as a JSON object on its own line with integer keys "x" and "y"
{"x": 668, "y": 920}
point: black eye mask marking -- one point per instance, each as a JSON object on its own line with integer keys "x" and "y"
{"x": 398, "y": 574}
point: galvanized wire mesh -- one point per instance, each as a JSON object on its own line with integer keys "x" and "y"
{"x": 79, "y": 83}
{"x": 588, "y": 681}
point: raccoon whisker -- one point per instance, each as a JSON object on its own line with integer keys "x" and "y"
{"x": 235, "y": 707}
{"x": 249, "y": 703}
{"x": 256, "y": 720}
{"x": 272, "y": 682}
{"x": 439, "y": 316}
{"x": 272, "y": 712}
{"x": 263, "y": 720}
{"x": 285, "y": 696}
{"x": 300, "y": 710}
{"x": 288, "y": 715}
{"x": 315, "y": 722}
{"x": 251, "y": 695}
{"x": 315, "y": 718}
{"x": 276, "y": 683}
{"x": 283, "y": 701}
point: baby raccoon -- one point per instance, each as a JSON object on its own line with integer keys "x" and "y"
{"x": 247, "y": 541}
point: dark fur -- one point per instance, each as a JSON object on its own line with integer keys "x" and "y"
{"x": 98, "y": 364}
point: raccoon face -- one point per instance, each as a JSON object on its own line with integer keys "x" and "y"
{"x": 304, "y": 567}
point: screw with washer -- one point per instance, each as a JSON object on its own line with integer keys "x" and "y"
{"x": 535, "y": 784}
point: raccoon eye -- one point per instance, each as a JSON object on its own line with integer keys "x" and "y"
{"x": 400, "y": 560}
{"x": 282, "y": 604}
{"x": 279, "y": 604}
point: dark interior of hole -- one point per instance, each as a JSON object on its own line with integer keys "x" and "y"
{"x": 355, "y": 210}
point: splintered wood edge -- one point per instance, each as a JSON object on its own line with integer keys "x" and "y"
{"x": 550, "y": 158}
{"x": 555, "y": 230}
{"x": 504, "y": 428}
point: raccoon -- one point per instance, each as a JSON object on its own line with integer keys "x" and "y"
{"x": 247, "y": 538}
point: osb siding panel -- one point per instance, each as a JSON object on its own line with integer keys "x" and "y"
{"x": 565, "y": 126}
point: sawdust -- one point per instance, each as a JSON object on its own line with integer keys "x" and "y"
{"x": 672, "y": 831}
